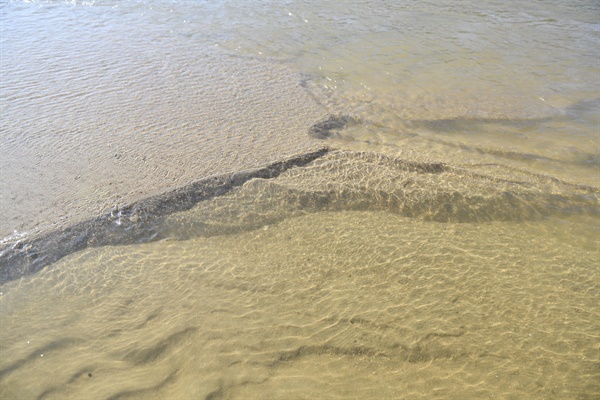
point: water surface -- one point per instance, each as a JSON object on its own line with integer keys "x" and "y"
{"x": 434, "y": 231}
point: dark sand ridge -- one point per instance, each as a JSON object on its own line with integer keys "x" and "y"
{"x": 323, "y": 180}
{"x": 134, "y": 223}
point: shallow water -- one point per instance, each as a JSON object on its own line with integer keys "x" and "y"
{"x": 445, "y": 245}
{"x": 329, "y": 305}
{"x": 97, "y": 114}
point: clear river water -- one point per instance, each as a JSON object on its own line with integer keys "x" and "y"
{"x": 295, "y": 200}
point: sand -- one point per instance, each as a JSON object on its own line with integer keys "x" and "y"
{"x": 110, "y": 143}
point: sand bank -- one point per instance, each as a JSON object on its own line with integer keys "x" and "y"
{"x": 119, "y": 137}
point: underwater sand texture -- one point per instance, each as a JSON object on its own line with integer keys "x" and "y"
{"x": 259, "y": 200}
{"x": 326, "y": 180}
{"x": 336, "y": 270}
{"x": 291, "y": 310}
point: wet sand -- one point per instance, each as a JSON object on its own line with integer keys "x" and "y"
{"x": 125, "y": 132}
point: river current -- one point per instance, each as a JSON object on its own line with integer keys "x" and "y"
{"x": 279, "y": 199}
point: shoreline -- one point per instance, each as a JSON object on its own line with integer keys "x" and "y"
{"x": 132, "y": 223}
{"x": 322, "y": 180}
{"x": 115, "y": 141}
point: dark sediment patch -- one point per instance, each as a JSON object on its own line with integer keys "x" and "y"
{"x": 133, "y": 223}
{"x": 329, "y": 127}
{"x": 329, "y": 181}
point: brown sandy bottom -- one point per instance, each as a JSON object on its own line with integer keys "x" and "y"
{"x": 456, "y": 258}
{"x": 326, "y": 305}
